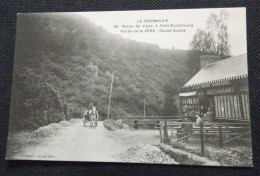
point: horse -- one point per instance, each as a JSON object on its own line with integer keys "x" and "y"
{"x": 93, "y": 117}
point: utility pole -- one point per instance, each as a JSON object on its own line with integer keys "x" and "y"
{"x": 144, "y": 108}
{"x": 110, "y": 94}
{"x": 96, "y": 74}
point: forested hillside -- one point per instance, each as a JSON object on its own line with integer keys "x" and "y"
{"x": 63, "y": 62}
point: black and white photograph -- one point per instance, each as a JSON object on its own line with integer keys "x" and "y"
{"x": 144, "y": 86}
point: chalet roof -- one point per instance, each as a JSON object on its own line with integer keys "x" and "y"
{"x": 227, "y": 69}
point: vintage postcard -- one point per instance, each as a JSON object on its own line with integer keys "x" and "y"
{"x": 154, "y": 86}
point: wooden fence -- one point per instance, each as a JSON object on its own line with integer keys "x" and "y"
{"x": 146, "y": 117}
{"x": 135, "y": 123}
{"x": 204, "y": 130}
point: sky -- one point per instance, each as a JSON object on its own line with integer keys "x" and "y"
{"x": 236, "y": 24}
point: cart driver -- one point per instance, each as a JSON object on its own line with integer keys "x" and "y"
{"x": 90, "y": 106}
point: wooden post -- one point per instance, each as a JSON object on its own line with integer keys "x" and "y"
{"x": 144, "y": 108}
{"x": 241, "y": 107}
{"x": 165, "y": 131}
{"x": 110, "y": 96}
{"x": 202, "y": 138}
{"x": 135, "y": 124}
{"x": 161, "y": 135}
{"x": 181, "y": 113}
{"x": 220, "y": 137}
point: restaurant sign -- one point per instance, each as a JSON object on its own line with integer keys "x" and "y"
{"x": 220, "y": 91}
{"x": 224, "y": 90}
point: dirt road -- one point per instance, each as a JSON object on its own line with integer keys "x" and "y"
{"x": 79, "y": 143}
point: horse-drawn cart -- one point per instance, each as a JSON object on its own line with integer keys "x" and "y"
{"x": 85, "y": 121}
{"x": 92, "y": 117}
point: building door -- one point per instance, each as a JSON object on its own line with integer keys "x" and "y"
{"x": 211, "y": 104}
{"x": 207, "y": 102}
{"x": 203, "y": 105}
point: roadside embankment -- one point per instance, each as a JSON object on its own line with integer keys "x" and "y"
{"x": 112, "y": 124}
{"x": 186, "y": 158}
{"x": 226, "y": 156}
{"x": 17, "y": 141}
{"x": 144, "y": 153}
{"x": 163, "y": 154}
{"x": 52, "y": 129}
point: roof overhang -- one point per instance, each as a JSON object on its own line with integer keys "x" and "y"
{"x": 225, "y": 70}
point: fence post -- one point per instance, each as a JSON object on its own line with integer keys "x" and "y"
{"x": 161, "y": 135}
{"x": 135, "y": 124}
{"x": 165, "y": 131}
{"x": 202, "y": 138}
{"x": 220, "y": 136}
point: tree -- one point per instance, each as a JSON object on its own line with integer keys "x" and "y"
{"x": 223, "y": 44}
{"x": 215, "y": 38}
{"x": 170, "y": 89}
{"x": 203, "y": 41}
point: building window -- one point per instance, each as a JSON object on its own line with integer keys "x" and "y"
{"x": 190, "y": 105}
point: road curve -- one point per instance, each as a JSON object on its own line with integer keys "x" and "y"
{"x": 79, "y": 143}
